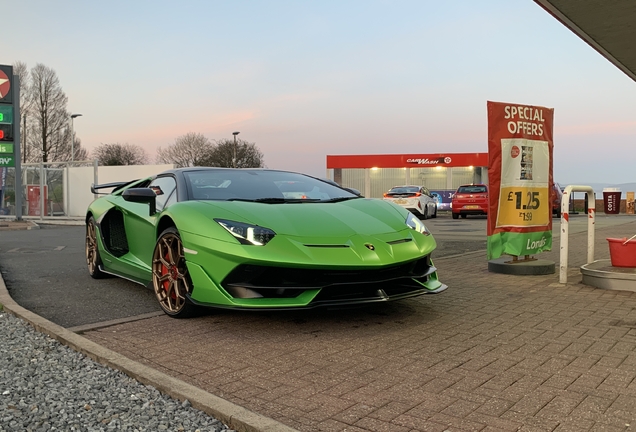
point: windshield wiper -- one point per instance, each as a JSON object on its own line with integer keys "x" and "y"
{"x": 260, "y": 200}
{"x": 339, "y": 199}
{"x": 239, "y": 199}
{"x": 275, "y": 200}
{"x": 271, "y": 200}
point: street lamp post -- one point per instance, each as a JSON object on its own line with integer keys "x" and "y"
{"x": 72, "y": 137}
{"x": 235, "y": 134}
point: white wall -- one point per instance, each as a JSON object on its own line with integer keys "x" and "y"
{"x": 78, "y": 180}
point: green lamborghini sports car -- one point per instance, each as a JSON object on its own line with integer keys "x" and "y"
{"x": 256, "y": 239}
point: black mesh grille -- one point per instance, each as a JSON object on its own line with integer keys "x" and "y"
{"x": 115, "y": 233}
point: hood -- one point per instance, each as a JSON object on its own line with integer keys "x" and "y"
{"x": 346, "y": 218}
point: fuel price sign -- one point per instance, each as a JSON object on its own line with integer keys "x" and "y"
{"x": 6, "y": 114}
{"x": 6, "y": 123}
{"x": 6, "y": 132}
{"x": 523, "y": 206}
{"x": 520, "y": 150}
{"x": 7, "y": 156}
{"x": 524, "y": 194}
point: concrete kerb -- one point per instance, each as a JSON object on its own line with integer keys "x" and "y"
{"x": 229, "y": 413}
{"x": 11, "y": 225}
{"x": 48, "y": 220}
{"x": 69, "y": 222}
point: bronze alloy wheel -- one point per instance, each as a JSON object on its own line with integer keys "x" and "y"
{"x": 92, "y": 252}
{"x": 170, "y": 277}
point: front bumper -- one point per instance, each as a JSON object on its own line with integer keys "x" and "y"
{"x": 321, "y": 276}
{"x": 246, "y": 295}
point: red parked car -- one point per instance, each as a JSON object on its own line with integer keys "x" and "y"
{"x": 470, "y": 199}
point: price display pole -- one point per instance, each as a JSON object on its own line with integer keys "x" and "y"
{"x": 10, "y": 134}
{"x": 7, "y": 157}
{"x": 520, "y": 177}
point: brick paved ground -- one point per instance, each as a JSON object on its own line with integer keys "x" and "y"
{"x": 494, "y": 352}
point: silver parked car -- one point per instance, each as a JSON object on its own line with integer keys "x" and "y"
{"x": 416, "y": 199}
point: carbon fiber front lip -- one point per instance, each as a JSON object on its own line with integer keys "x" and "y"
{"x": 331, "y": 303}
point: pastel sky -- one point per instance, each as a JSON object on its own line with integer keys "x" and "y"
{"x": 304, "y": 79}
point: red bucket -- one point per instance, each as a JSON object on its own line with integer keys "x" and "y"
{"x": 622, "y": 255}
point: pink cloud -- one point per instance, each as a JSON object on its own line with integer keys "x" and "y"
{"x": 611, "y": 128}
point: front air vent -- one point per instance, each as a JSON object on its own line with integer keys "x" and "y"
{"x": 394, "y": 242}
{"x": 327, "y": 245}
{"x": 114, "y": 233}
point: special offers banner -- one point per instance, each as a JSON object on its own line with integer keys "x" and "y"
{"x": 520, "y": 177}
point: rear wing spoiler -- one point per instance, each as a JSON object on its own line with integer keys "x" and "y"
{"x": 114, "y": 186}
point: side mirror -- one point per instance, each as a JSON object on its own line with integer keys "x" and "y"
{"x": 142, "y": 195}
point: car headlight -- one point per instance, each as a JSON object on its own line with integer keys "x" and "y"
{"x": 414, "y": 223}
{"x": 247, "y": 234}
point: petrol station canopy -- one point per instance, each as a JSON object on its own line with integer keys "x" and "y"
{"x": 607, "y": 26}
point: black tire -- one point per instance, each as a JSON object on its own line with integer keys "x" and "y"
{"x": 425, "y": 214}
{"x": 434, "y": 213}
{"x": 170, "y": 278}
{"x": 455, "y": 215}
{"x": 93, "y": 260}
{"x": 464, "y": 216}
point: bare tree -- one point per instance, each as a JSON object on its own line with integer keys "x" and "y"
{"x": 248, "y": 155}
{"x": 50, "y": 134}
{"x": 120, "y": 154}
{"x": 45, "y": 123}
{"x": 81, "y": 154}
{"x": 188, "y": 150}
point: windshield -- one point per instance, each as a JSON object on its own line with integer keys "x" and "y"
{"x": 261, "y": 185}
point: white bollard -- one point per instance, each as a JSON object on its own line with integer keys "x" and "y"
{"x": 565, "y": 220}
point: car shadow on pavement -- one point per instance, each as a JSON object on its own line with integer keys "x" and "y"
{"x": 397, "y": 314}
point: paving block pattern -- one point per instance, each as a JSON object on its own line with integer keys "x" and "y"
{"x": 493, "y": 353}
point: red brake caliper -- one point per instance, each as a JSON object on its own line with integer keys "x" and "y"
{"x": 165, "y": 271}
